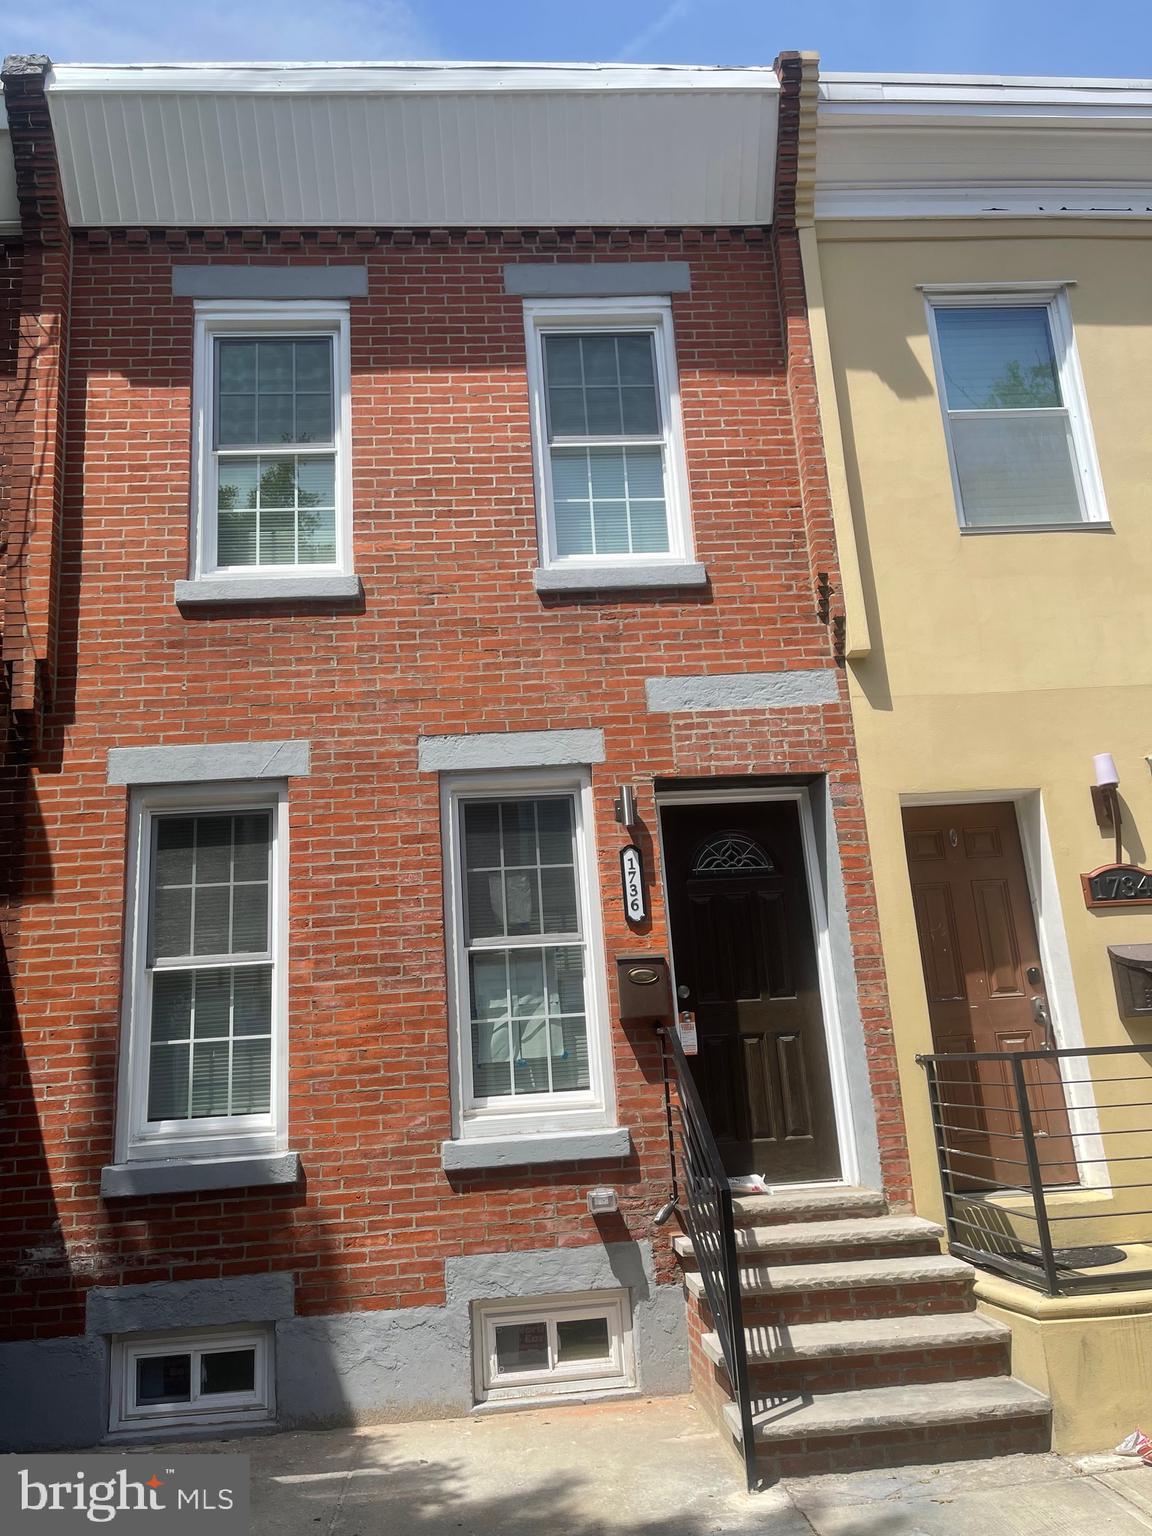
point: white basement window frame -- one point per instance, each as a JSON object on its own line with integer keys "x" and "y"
{"x": 166, "y": 1381}
{"x": 325, "y": 549}
{"x": 258, "y": 962}
{"x": 483, "y": 1114}
{"x": 647, "y": 319}
{"x": 559, "y": 1337}
{"x": 1067, "y": 405}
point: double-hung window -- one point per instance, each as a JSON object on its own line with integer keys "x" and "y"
{"x": 271, "y": 409}
{"x": 205, "y": 1004}
{"x": 608, "y": 436}
{"x": 1019, "y": 439}
{"x": 528, "y": 967}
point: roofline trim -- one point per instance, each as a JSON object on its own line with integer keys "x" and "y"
{"x": 390, "y": 77}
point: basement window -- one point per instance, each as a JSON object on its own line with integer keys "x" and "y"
{"x": 553, "y": 1346}
{"x": 166, "y": 1381}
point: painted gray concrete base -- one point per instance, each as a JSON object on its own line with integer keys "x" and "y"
{"x": 416, "y": 1363}
{"x": 52, "y": 1394}
{"x": 360, "y": 1367}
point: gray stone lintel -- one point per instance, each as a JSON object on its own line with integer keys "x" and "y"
{"x": 595, "y": 279}
{"x": 165, "y": 1304}
{"x": 227, "y": 280}
{"x": 742, "y": 690}
{"x": 187, "y": 1176}
{"x": 520, "y": 1151}
{"x": 214, "y": 590}
{"x": 510, "y": 749}
{"x": 208, "y": 763}
{"x": 605, "y": 578}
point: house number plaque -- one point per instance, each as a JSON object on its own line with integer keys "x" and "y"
{"x": 1118, "y": 885}
{"x": 632, "y": 881}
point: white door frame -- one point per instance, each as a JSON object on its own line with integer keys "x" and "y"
{"x": 796, "y": 794}
{"x": 1047, "y": 914}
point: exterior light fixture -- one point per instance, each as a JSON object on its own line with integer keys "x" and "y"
{"x": 1106, "y": 797}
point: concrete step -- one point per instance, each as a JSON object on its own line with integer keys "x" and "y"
{"x": 845, "y": 1275}
{"x": 855, "y": 1356}
{"x": 886, "y": 1336}
{"x": 892, "y": 1411}
{"x": 820, "y": 1239}
{"x": 831, "y": 1203}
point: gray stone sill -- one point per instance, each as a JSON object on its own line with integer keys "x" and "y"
{"x": 471, "y": 1152}
{"x": 215, "y": 590}
{"x": 604, "y": 578}
{"x": 573, "y": 1399}
{"x": 178, "y": 1176}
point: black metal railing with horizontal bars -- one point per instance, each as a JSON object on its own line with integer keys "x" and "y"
{"x": 706, "y": 1210}
{"x": 1045, "y": 1162}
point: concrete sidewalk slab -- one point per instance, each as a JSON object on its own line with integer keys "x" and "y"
{"x": 652, "y": 1467}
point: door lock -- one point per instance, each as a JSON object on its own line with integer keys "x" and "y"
{"x": 683, "y": 992}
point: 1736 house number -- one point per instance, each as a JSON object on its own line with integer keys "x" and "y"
{"x": 1118, "y": 885}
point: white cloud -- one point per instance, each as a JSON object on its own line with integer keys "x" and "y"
{"x": 159, "y": 31}
{"x": 667, "y": 18}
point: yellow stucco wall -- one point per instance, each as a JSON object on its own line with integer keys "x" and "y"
{"x": 999, "y": 662}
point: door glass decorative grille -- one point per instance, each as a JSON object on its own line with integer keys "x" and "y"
{"x": 731, "y": 853}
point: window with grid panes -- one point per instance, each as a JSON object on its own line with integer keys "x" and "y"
{"x": 274, "y": 441}
{"x": 210, "y": 967}
{"x": 526, "y": 947}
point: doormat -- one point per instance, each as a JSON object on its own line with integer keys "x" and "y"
{"x": 1079, "y": 1258}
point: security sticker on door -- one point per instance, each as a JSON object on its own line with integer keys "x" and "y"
{"x": 686, "y": 1028}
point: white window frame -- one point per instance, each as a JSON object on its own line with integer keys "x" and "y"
{"x": 581, "y": 1377}
{"x": 591, "y": 1108}
{"x": 212, "y": 1136}
{"x": 652, "y": 315}
{"x": 255, "y": 1407}
{"x": 273, "y": 317}
{"x": 1053, "y": 299}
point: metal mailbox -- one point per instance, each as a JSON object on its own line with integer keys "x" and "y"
{"x": 1132, "y": 976}
{"x": 645, "y": 987}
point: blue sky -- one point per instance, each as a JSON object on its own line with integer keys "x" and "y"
{"x": 1078, "y": 37}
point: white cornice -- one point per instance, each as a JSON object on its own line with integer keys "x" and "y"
{"x": 389, "y": 77}
{"x": 912, "y": 146}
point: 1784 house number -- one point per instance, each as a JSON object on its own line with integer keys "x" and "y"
{"x": 1118, "y": 885}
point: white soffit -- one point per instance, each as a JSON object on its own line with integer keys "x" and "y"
{"x": 917, "y": 146}
{"x": 414, "y": 145}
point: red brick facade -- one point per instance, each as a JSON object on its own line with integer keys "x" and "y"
{"x": 452, "y": 638}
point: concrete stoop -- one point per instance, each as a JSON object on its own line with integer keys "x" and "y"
{"x": 864, "y": 1346}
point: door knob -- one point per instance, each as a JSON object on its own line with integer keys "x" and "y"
{"x": 683, "y": 992}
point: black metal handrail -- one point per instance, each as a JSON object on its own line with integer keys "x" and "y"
{"x": 1013, "y": 1132}
{"x": 706, "y": 1210}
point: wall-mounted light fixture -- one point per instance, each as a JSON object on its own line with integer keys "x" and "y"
{"x": 625, "y": 805}
{"x": 1106, "y": 797}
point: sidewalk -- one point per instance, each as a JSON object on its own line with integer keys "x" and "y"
{"x": 653, "y": 1468}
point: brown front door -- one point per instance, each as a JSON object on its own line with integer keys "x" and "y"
{"x": 745, "y": 958}
{"x": 986, "y": 992}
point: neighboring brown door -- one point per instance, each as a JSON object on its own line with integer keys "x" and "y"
{"x": 985, "y": 990}
{"x": 745, "y": 960}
